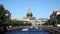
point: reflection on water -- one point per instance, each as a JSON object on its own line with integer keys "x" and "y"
{"x": 30, "y": 31}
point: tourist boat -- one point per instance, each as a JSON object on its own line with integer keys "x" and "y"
{"x": 25, "y": 29}
{"x": 40, "y": 28}
{"x": 36, "y": 27}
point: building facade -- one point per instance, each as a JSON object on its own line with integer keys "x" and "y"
{"x": 53, "y": 16}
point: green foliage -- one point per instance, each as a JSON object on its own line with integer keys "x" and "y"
{"x": 1, "y": 7}
{"x": 50, "y": 22}
{"x": 47, "y": 22}
{"x": 3, "y": 17}
{"x": 28, "y": 24}
{"x": 58, "y": 19}
{"x": 16, "y": 23}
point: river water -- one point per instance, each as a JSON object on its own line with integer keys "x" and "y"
{"x": 30, "y": 31}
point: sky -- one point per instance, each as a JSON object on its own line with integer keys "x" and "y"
{"x": 39, "y": 8}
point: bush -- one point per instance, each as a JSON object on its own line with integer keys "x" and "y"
{"x": 50, "y": 22}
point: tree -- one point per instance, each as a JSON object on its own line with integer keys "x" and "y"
{"x": 1, "y": 13}
{"x": 1, "y": 8}
{"x": 3, "y": 17}
{"x": 50, "y": 22}
{"x": 58, "y": 19}
{"x": 46, "y": 22}
{"x": 29, "y": 24}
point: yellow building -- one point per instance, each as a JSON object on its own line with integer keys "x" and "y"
{"x": 53, "y": 16}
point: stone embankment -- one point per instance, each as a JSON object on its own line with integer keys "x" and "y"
{"x": 16, "y": 27}
{"x": 51, "y": 29}
{"x": 10, "y": 28}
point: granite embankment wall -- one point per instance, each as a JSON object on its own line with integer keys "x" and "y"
{"x": 16, "y": 27}
{"x": 52, "y": 30}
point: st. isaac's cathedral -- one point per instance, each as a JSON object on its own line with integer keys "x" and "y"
{"x": 29, "y": 17}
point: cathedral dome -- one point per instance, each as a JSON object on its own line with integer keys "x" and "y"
{"x": 29, "y": 13}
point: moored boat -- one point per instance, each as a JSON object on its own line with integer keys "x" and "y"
{"x": 25, "y": 29}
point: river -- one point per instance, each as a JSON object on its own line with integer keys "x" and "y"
{"x": 30, "y": 31}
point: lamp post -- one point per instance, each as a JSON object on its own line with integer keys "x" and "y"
{"x": 35, "y": 23}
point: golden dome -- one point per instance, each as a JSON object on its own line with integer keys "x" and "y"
{"x": 58, "y": 13}
{"x": 29, "y": 13}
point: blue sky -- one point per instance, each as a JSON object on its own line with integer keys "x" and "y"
{"x": 39, "y": 8}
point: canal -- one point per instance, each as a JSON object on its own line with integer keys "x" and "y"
{"x": 30, "y": 31}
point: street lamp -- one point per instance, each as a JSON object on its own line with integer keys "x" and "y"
{"x": 35, "y": 23}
